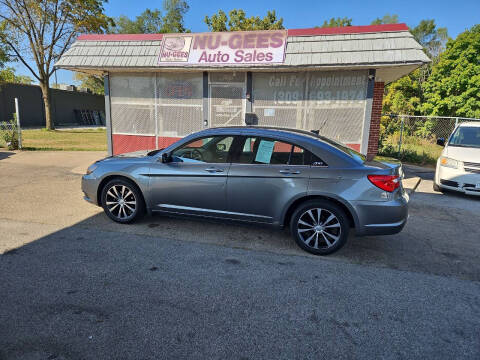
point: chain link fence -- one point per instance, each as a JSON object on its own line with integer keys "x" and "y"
{"x": 10, "y": 134}
{"x": 414, "y": 138}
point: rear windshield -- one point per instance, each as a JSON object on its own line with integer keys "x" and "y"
{"x": 345, "y": 149}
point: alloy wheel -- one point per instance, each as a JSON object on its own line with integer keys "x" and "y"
{"x": 121, "y": 201}
{"x": 319, "y": 228}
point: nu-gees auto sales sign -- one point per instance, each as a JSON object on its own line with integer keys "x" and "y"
{"x": 223, "y": 48}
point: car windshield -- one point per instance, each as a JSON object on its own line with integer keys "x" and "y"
{"x": 345, "y": 149}
{"x": 466, "y": 136}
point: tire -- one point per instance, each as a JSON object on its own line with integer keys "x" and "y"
{"x": 122, "y": 201}
{"x": 326, "y": 236}
{"x": 437, "y": 188}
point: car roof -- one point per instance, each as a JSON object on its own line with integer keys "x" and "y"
{"x": 285, "y": 130}
{"x": 470, "y": 123}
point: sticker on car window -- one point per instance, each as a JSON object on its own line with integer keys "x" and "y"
{"x": 265, "y": 151}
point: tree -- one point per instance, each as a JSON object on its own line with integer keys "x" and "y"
{"x": 453, "y": 88}
{"x": 42, "y": 31}
{"x": 92, "y": 82}
{"x": 238, "y": 21}
{"x": 432, "y": 38}
{"x": 153, "y": 22}
{"x": 405, "y": 95}
{"x": 337, "y": 22}
{"x": 8, "y": 75}
{"x": 3, "y": 47}
{"x": 386, "y": 19}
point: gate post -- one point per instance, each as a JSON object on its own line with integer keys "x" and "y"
{"x": 401, "y": 135}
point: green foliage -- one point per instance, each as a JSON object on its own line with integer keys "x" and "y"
{"x": 153, "y": 22}
{"x": 92, "y": 82}
{"x": 337, "y": 22}
{"x": 431, "y": 37}
{"x": 386, "y": 19}
{"x": 8, "y": 75}
{"x": 415, "y": 150}
{"x": 238, "y": 21}
{"x": 9, "y": 133}
{"x": 3, "y": 47}
{"x": 403, "y": 96}
{"x": 453, "y": 88}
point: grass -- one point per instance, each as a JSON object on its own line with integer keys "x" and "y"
{"x": 63, "y": 140}
{"x": 415, "y": 150}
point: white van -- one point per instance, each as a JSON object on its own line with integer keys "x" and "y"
{"x": 458, "y": 168}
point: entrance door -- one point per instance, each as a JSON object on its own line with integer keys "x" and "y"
{"x": 227, "y": 104}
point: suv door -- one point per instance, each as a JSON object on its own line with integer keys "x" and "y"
{"x": 194, "y": 181}
{"x": 264, "y": 176}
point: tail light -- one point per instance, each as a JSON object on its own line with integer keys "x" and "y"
{"x": 385, "y": 182}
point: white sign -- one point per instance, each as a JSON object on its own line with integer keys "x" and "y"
{"x": 224, "y": 48}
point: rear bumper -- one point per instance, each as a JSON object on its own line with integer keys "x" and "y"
{"x": 381, "y": 217}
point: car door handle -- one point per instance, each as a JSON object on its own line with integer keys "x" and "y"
{"x": 214, "y": 170}
{"x": 289, "y": 172}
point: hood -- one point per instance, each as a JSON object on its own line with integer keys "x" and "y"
{"x": 140, "y": 153}
{"x": 470, "y": 154}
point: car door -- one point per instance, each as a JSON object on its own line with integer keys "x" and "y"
{"x": 194, "y": 181}
{"x": 264, "y": 176}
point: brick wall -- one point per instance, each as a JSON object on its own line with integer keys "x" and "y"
{"x": 375, "y": 120}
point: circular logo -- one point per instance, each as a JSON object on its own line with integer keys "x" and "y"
{"x": 174, "y": 43}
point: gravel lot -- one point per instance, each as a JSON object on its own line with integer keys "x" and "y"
{"x": 75, "y": 285}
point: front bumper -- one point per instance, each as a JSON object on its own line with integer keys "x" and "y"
{"x": 382, "y": 217}
{"x": 89, "y": 188}
{"x": 457, "y": 180}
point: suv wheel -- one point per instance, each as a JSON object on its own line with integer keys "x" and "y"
{"x": 122, "y": 201}
{"x": 319, "y": 227}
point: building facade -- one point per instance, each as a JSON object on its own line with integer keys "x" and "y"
{"x": 161, "y": 87}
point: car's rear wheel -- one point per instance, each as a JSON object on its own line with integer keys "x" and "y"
{"x": 436, "y": 187}
{"x": 122, "y": 201}
{"x": 319, "y": 227}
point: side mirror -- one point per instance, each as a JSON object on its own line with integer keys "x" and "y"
{"x": 221, "y": 147}
{"x": 166, "y": 158}
{"x": 441, "y": 141}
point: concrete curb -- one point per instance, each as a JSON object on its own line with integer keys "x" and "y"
{"x": 411, "y": 184}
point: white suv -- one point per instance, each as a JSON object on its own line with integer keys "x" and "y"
{"x": 458, "y": 168}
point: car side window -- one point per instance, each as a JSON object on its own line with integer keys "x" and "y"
{"x": 213, "y": 149}
{"x": 257, "y": 150}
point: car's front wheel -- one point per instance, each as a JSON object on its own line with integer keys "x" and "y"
{"x": 319, "y": 227}
{"x": 122, "y": 201}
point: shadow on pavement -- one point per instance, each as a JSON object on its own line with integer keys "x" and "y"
{"x": 86, "y": 292}
{"x": 5, "y": 154}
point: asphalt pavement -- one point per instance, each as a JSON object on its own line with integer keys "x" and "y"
{"x": 74, "y": 285}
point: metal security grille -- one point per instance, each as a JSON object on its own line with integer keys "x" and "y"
{"x": 332, "y": 102}
{"x": 180, "y": 104}
{"x": 226, "y": 105}
{"x": 227, "y": 77}
{"x": 227, "y": 98}
{"x": 132, "y": 104}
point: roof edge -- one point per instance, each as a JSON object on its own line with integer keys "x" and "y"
{"x": 290, "y": 32}
{"x": 348, "y": 29}
{"x": 119, "y": 37}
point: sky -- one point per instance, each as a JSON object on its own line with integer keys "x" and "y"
{"x": 456, "y": 16}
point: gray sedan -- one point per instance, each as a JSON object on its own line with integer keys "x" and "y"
{"x": 282, "y": 177}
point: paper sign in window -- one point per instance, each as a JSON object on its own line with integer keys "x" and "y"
{"x": 265, "y": 151}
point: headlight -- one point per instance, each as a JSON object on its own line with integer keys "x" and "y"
{"x": 91, "y": 168}
{"x": 447, "y": 162}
